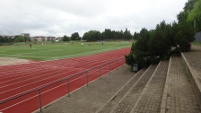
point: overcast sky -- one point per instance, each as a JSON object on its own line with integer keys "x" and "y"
{"x": 63, "y": 17}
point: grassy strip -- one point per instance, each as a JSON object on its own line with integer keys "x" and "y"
{"x": 58, "y": 50}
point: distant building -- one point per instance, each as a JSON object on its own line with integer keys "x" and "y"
{"x": 26, "y": 35}
{"x": 57, "y": 39}
{"x": 42, "y": 38}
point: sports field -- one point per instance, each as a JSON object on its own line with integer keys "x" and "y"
{"x": 51, "y": 51}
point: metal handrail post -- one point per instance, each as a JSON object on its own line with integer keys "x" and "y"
{"x": 40, "y": 100}
{"x": 100, "y": 72}
{"x": 87, "y": 77}
{"x": 68, "y": 86}
{"x": 110, "y": 66}
{"x": 117, "y": 62}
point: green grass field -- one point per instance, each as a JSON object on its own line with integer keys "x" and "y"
{"x": 53, "y": 51}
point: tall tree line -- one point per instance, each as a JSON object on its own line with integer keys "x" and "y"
{"x": 5, "y": 39}
{"x": 107, "y": 34}
{"x": 11, "y": 40}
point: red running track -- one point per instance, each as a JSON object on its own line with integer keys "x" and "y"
{"x": 22, "y": 86}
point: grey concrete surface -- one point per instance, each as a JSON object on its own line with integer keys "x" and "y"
{"x": 90, "y": 99}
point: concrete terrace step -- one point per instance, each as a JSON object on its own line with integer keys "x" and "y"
{"x": 112, "y": 102}
{"x": 150, "y": 99}
{"x": 193, "y": 65}
{"x": 128, "y": 101}
{"x": 90, "y": 99}
{"x": 178, "y": 96}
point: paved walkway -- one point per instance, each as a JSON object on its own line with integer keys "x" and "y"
{"x": 130, "y": 99}
{"x": 178, "y": 95}
{"x": 90, "y": 99}
{"x": 193, "y": 65}
{"x": 150, "y": 99}
{"x": 115, "y": 99}
{"x": 194, "y": 60}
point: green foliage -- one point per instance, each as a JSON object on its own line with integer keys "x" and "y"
{"x": 166, "y": 39}
{"x": 75, "y": 36}
{"x": 92, "y": 36}
{"x": 66, "y": 38}
{"x": 160, "y": 44}
{"x": 130, "y": 59}
{"x": 127, "y": 35}
{"x": 140, "y": 50}
{"x": 185, "y": 32}
{"x": 141, "y": 45}
{"x": 108, "y": 34}
{"x": 155, "y": 45}
{"x": 5, "y": 39}
{"x": 135, "y": 36}
{"x": 194, "y": 14}
{"x": 19, "y": 38}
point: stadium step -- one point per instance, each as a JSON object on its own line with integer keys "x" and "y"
{"x": 149, "y": 100}
{"x": 126, "y": 103}
{"x": 117, "y": 96}
{"x": 178, "y": 96}
{"x": 192, "y": 63}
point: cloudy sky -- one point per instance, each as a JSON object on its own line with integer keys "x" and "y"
{"x": 63, "y": 17}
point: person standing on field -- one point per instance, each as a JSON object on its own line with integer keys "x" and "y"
{"x": 30, "y": 45}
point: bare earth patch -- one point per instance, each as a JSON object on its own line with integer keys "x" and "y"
{"x": 12, "y": 61}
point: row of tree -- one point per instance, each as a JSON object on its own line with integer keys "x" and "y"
{"x": 17, "y": 38}
{"x": 108, "y": 34}
{"x": 6, "y": 39}
{"x": 94, "y": 35}
{"x": 166, "y": 39}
